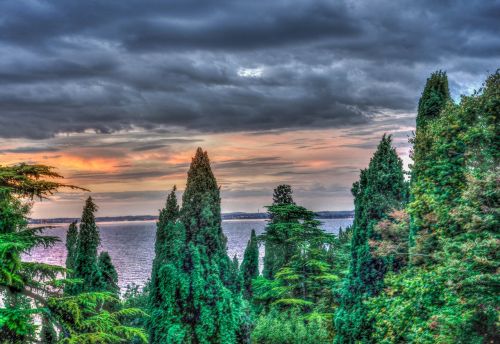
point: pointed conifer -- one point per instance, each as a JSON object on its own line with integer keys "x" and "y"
{"x": 107, "y": 274}
{"x": 381, "y": 188}
{"x": 250, "y": 265}
{"x": 71, "y": 245}
{"x": 283, "y": 216}
{"x": 195, "y": 303}
{"x": 86, "y": 265}
{"x": 434, "y": 98}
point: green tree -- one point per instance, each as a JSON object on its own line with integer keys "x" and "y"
{"x": 435, "y": 97}
{"x": 284, "y": 216}
{"x": 71, "y": 245}
{"x": 86, "y": 263}
{"x": 196, "y": 304}
{"x": 456, "y": 289}
{"x": 31, "y": 289}
{"x": 282, "y": 194}
{"x": 47, "y": 334}
{"x": 250, "y": 265}
{"x": 107, "y": 274}
{"x": 381, "y": 189}
{"x": 302, "y": 287}
{"x": 23, "y": 285}
{"x": 165, "y": 250}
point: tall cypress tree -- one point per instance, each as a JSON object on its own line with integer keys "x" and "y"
{"x": 277, "y": 250}
{"x": 196, "y": 305}
{"x": 86, "y": 266}
{"x": 434, "y": 98}
{"x": 381, "y": 188}
{"x": 71, "y": 245}
{"x": 163, "y": 243}
{"x": 250, "y": 265}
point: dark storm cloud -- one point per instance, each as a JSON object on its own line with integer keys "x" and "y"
{"x": 222, "y": 66}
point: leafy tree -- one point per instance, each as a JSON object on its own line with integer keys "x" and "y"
{"x": 381, "y": 189}
{"x": 250, "y": 265}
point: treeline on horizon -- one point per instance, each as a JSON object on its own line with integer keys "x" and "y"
{"x": 341, "y": 214}
{"x": 419, "y": 264}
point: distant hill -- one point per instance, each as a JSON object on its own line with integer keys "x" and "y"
{"x": 227, "y": 216}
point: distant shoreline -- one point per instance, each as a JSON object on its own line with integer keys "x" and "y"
{"x": 227, "y": 216}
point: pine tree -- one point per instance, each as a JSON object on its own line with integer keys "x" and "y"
{"x": 86, "y": 262}
{"x": 33, "y": 288}
{"x": 23, "y": 285}
{"x": 381, "y": 188}
{"x": 282, "y": 195}
{"x": 250, "y": 265}
{"x": 283, "y": 215}
{"x": 299, "y": 296}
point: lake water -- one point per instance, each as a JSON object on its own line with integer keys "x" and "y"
{"x": 131, "y": 244}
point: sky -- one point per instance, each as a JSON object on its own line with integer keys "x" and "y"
{"x": 117, "y": 95}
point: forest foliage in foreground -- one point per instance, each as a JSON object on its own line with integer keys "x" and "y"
{"x": 419, "y": 264}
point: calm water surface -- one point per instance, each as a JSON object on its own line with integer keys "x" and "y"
{"x": 131, "y": 244}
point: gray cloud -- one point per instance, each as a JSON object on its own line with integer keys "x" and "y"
{"x": 223, "y": 66}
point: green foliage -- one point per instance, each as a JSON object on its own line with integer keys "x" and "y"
{"x": 138, "y": 298}
{"x": 250, "y": 265}
{"x": 48, "y": 334}
{"x": 282, "y": 195}
{"x": 31, "y": 290}
{"x": 302, "y": 287}
{"x": 71, "y": 245}
{"x": 434, "y": 99}
{"x": 30, "y": 181}
{"x": 84, "y": 319}
{"x": 22, "y": 285}
{"x": 108, "y": 277}
{"x": 380, "y": 190}
{"x": 168, "y": 244}
{"x": 450, "y": 292}
{"x": 291, "y": 327}
{"x": 86, "y": 263}
{"x": 193, "y": 297}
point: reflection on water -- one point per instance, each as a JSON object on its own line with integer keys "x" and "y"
{"x": 131, "y": 244}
